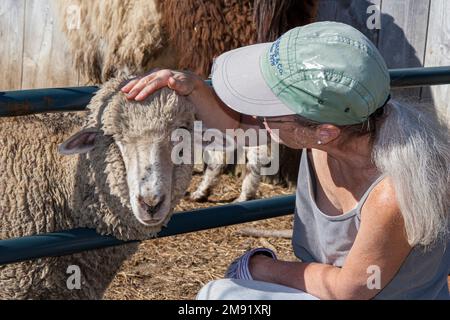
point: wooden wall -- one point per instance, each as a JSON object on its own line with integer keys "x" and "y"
{"x": 413, "y": 33}
{"x": 33, "y": 51}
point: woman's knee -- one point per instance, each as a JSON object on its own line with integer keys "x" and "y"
{"x": 224, "y": 289}
{"x": 232, "y": 289}
{"x": 209, "y": 290}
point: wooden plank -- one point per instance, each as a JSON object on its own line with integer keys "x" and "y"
{"x": 403, "y": 36}
{"x": 404, "y": 31}
{"x": 326, "y": 10}
{"x": 354, "y": 13}
{"x": 438, "y": 51}
{"x": 12, "y": 15}
{"x": 47, "y": 61}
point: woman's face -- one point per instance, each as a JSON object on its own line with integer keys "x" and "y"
{"x": 286, "y": 130}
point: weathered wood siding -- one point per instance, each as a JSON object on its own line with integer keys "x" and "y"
{"x": 12, "y": 17}
{"x": 33, "y": 51}
{"x": 412, "y": 33}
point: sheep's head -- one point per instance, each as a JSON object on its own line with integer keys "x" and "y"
{"x": 133, "y": 140}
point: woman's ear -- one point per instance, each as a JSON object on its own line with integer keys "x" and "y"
{"x": 81, "y": 142}
{"x": 326, "y": 133}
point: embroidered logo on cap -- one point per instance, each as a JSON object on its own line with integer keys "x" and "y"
{"x": 274, "y": 57}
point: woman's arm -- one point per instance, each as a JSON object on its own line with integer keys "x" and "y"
{"x": 381, "y": 244}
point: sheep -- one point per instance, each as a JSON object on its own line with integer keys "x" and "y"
{"x": 115, "y": 38}
{"x": 124, "y": 37}
{"x": 119, "y": 180}
{"x": 256, "y": 158}
{"x": 133, "y": 36}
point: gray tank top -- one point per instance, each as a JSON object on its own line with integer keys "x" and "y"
{"x": 322, "y": 238}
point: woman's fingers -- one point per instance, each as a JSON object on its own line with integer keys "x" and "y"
{"x": 139, "y": 86}
{"x": 150, "y": 88}
{"x": 127, "y": 88}
{"x": 135, "y": 85}
{"x": 180, "y": 86}
{"x": 174, "y": 85}
{"x": 134, "y": 82}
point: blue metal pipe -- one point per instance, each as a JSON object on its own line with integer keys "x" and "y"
{"x": 23, "y": 102}
{"x": 417, "y": 77}
{"x": 78, "y": 240}
{"x": 16, "y": 103}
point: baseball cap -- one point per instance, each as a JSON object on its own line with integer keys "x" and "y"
{"x": 327, "y": 72}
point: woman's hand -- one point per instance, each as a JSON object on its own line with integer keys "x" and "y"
{"x": 184, "y": 83}
{"x": 208, "y": 106}
{"x": 241, "y": 268}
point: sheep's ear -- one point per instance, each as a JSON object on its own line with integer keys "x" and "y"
{"x": 81, "y": 142}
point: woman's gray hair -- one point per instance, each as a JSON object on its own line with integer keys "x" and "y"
{"x": 412, "y": 147}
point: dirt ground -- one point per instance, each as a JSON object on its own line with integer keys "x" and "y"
{"x": 177, "y": 267}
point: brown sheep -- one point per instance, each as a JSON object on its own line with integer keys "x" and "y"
{"x": 133, "y": 36}
{"x": 201, "y": 30}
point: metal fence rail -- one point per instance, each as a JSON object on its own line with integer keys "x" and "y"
{"x": 15, "y": 103}
{"x": 418, "y": 77}
{"x": 78, "y": 240}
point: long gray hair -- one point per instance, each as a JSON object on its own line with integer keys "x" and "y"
{"x": 412, "y": 147}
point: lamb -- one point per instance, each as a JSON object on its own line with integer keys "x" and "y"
{"x": 119, "y": 180}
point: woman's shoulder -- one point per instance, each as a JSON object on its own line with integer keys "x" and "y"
{"x": 382, "y": 201}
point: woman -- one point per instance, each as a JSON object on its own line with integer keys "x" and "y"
{"x": 371, "y": 216}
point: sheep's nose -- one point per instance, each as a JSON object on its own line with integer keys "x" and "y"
{"x": 151, "y": 204}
